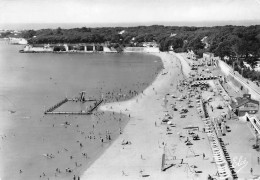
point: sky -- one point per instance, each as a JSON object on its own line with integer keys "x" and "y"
{"x": 127, "y": 11}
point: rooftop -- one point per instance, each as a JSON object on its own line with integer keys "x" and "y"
{"x": 240, "y": 101}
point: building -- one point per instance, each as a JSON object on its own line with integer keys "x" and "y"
{"x": 142, "y": 49}
{"x": 209, "y": 59}
{"x": 21, "y": 41}
{"x": 191, "y": 55}
{"x": 257, "y": 66}
{"x": 170, "y": 48}
{"x": 205, "y": 42}
{"x": 122, "y": 32}
{"x": 248, "y": 65}
{"x": 173, "y": 34}
{"x": 150, "y": 44}
{"x": 38, "y": 48}
{"x": 109, "y": 49}
{"x": 245, "y": 104}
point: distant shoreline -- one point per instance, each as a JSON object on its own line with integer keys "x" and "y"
{"x": 37, "y": 26}
{"x": 85, "y": 48}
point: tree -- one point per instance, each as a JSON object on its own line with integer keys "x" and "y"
{"x": 223, "y": 49}
{"x": 29, "y": 34}
{"x": 252, "y": 61}
{"x": 235, "y": 43}
{"x": 59, "y": 30}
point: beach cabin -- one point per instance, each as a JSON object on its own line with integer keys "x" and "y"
{"x": 245, "y": 104}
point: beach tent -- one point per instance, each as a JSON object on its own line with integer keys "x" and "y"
{"x": 169, "y": 123}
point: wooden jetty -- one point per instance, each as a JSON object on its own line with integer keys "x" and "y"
{"x": 96, "y": 105}
{"x": 51, "y": 109}
{"x": 68, "y": 112}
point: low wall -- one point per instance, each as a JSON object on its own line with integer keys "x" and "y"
{"x": 239, "y": 80}
{"x": 225, "y": 67}
{"x": 108, "y": 50}
{"x": 255, "y": 122}
{"x": 142, "y": 49}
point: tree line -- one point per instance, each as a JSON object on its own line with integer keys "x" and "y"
{"x": 231, "y": 41}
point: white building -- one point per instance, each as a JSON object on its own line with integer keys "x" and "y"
{"x": 257, "y": 66}
{"x": 38, "y": 48}
{"x": 150, "y": 44}
{"x": 173, "y": 34}
{"x": 109, "y": 50}
{"x": 18, "y": 41}
{"x": 122, "y": 32}
{"x": 205, "y": 41}
{"x": 209, "y": 59}
{"x": 248, "y": 65}
{"x": 191, "y": 55}
{"x": 142, "y": 49}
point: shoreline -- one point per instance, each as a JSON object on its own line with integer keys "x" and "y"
{"x": 126, "y": 110}
{"x": 48, "y": 134}
{"x": 144, "y": 131}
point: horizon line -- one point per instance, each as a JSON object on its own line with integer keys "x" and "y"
{"x": 134, "y": 24}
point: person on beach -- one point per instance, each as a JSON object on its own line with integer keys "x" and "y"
{"x": 124, "y": 174}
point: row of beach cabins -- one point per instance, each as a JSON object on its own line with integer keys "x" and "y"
{"x": 243, "y": 107}
{"x": 215, "y": 128}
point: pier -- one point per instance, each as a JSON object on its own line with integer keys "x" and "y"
{"x": 68, "y": 112}
{"x": 96, "y": 105}
{"x": 51, "y": 109}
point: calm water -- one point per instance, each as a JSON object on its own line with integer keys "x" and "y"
{"x": 37, "y": 26}
{"x": 31, "y": 82}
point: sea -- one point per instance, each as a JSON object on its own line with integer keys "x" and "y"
{"x": 34, "y": 145}
{"x": 37, "y": 26}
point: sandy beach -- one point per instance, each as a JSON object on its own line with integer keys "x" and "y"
{"x": 148, "y": 139}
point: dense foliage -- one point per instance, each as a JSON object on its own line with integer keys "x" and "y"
{"x": 236, "y": 41}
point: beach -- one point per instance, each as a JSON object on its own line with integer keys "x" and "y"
{"x": 145, "y": 129}
{"x": 147, "y": 138}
